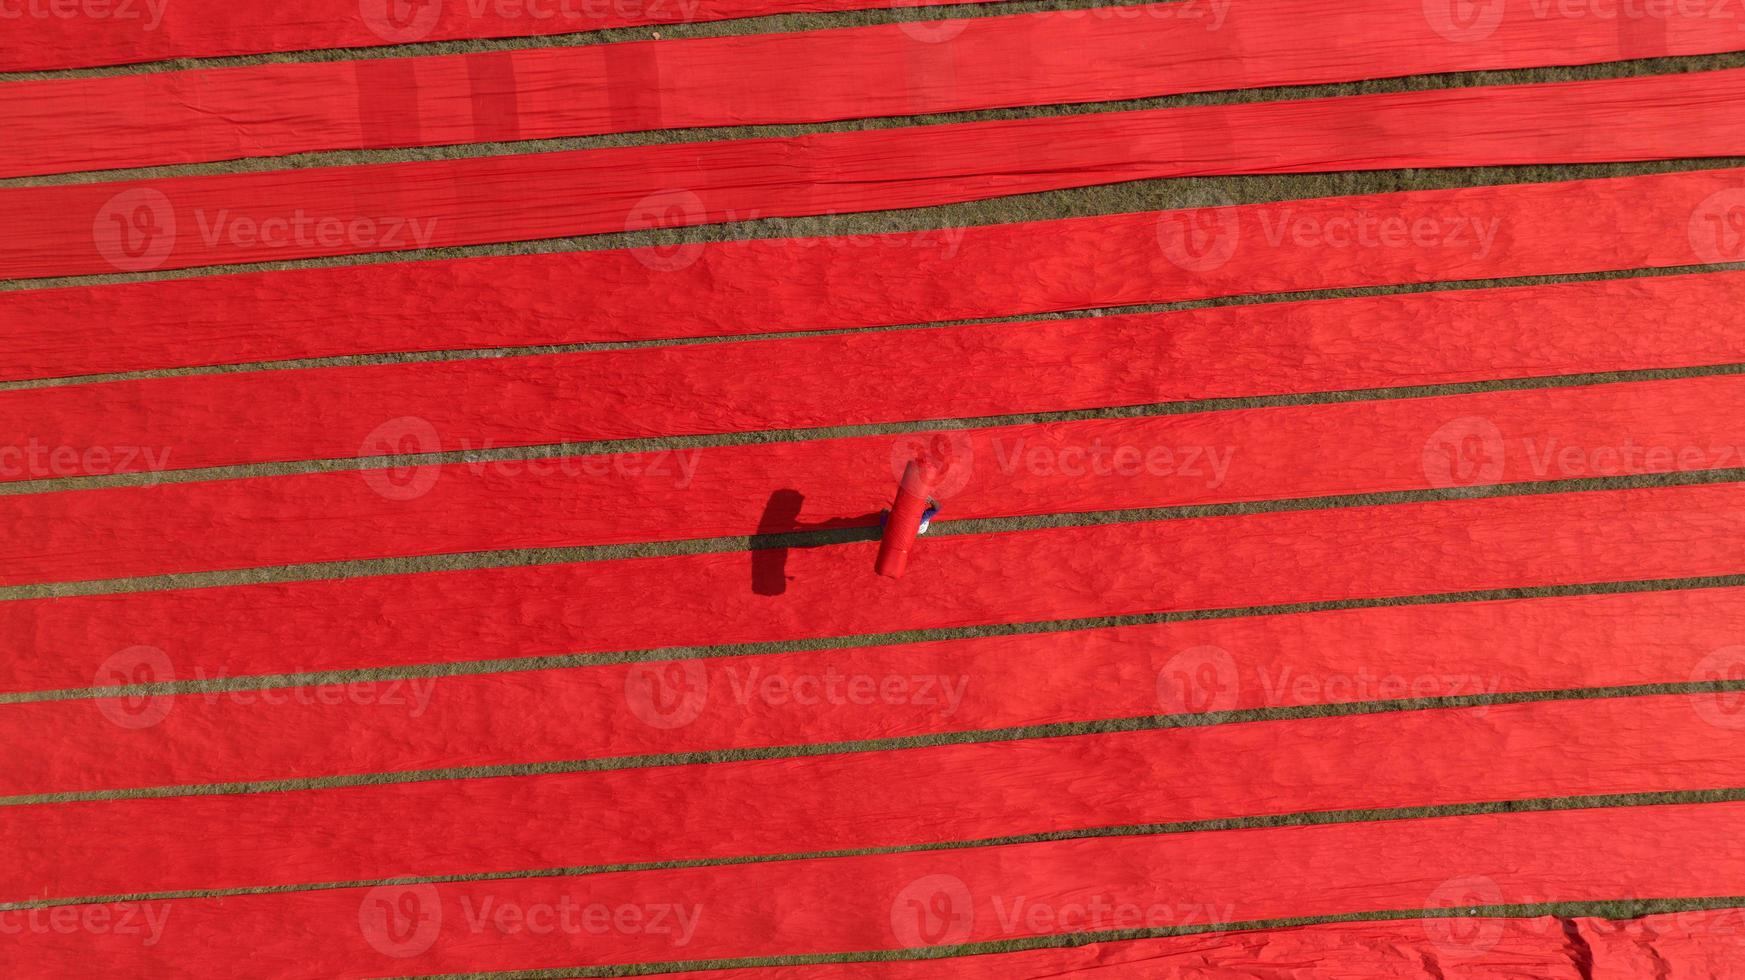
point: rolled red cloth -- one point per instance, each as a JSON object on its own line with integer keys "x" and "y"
{"x": 903, "y": 525}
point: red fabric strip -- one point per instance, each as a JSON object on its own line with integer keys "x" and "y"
{"x": 1215, "y": 457}
{"x": 1047, "y": 58}
{"x": 42, "y": 35}
{"x": 185, "y": 222}
{"x": 925, "y": 796}
{"x": 820, "y": 697}
{"x": 850, "y": 379}
{"x": 802, "y": 284}
{"x": 860, "y": 904}
{"x": 964, "y": 580}
{"x": 1681, "y": 944}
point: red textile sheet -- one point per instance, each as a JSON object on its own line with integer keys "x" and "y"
{"x": 183, "y": 222}
{"x": 962, "y": 580}
{"x": 872, "y": 799}
{"x": 1286, "y": 452}
{"x": 42, "y": 35}
{"x": 1048, "y": 58}
{"x": 782, "y": 285}
{"x": 191, "y": 422}
{"x": 916, "y": 900}
{"x": 1697, "y": 943}
{"x": 821, "y": 696}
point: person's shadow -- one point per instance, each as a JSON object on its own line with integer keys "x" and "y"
{"x": 780, "y": 529}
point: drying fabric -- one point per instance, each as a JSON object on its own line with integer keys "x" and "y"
{"x": 183, "y": 222}
{"x": 40, "y": 36}
{"x": 1680, "y": 944}
{"x": 1108, "y": 464}
{"x": 781, "y": 285}
{"x": 1050, "y": 58}
{"x": 953, "y": 580}
{"x": 870, "y": 800}
{"x": 190, "y": 422}
{"x": 924, "y": 899}
{"x": 822, "y": 696}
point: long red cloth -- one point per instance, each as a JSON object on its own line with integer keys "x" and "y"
{"x": 783, "y": 285}
{"x": 871, "y": 799}
{"x": 841, "y": 695}
{"x": 41, "y": 35}
{"x": 1695, "y": 943}
{"x": 183, "y": 222}
{"x": 719, "y": 598}
{"x": 1050, "y": 58}
{"x": 1679, "y": 426}
{"x": 912, "y": 900}
{"x": 976, "y": 371}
